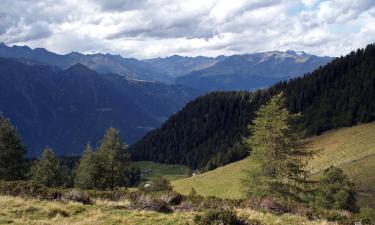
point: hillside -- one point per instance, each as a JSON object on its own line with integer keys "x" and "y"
{"x": 252, "y": 71}
{"x": 206, "y": 133}
{"x": 65, "y": 109}
{"x": 352, "y": 149}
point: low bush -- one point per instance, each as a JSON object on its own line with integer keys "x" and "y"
{"x": 78, "y": 196}
{"x": 29, "y": 189}
{"x": 366, "y": 216}
{"x": 219, "y": 217}
{"x": 147, "y": 202}
{"x": 171, "y": 197}
{"x": 272, "y": 205}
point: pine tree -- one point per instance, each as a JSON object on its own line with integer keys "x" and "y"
{"x": 47, "y": 170}
{"x": 87, "y": 172}
{"x": 12, "y": 153}
{"x": 278, "y": 152}
{"x": 113, "y": 161}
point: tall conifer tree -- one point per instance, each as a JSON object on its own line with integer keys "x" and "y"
{"x": 87, "y": 172}
{"x": 113, "y": 160}
{"x": 47, "y": 170}
{"x": 278, "y": 151}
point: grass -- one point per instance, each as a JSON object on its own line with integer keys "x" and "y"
{"x": 19, "y": 211}
{"x": 151, "y": 170}
{"x": 352, "y": 149}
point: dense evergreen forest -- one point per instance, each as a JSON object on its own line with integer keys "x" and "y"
{"x": 208, "y": 131}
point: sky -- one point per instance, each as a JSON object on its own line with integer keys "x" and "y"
{"x": 160, "y": 28}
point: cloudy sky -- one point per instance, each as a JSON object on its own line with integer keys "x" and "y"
{"x": 151, "y": 28}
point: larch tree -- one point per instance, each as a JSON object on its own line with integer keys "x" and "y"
{"x": 279, "y": 153}
{"x": 113, "y": 160}
{"x": 47, "y": 170}
{"x": 87, "y": 172}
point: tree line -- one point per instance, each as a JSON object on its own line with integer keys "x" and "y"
{"x": 207, "y": 132}
{"x": 107, "y": 167}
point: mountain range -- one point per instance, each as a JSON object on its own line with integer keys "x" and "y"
{"x": 66, "y": 108}
{"x": 236, "y": 72}
{"x": 252, "y": 71}
{"x": 101, "y": 63}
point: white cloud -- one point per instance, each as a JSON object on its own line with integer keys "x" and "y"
{"x": 150, "y": 28}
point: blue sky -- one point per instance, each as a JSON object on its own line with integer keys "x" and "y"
{"x": 152, "y": 28}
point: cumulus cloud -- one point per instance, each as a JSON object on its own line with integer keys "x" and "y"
{"x": 151, "y": 28}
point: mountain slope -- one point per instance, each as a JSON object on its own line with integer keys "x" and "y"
{"x": 352, "y": 149}
{"x": 252, "y": 71}
{"x": 102, "y": 63}
{"x": 203, "y": 134}
{"x": 176, "y": 65}
{"x": 65, "y": 109}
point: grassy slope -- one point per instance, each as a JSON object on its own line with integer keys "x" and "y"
{"x": 171, "y": 172}
{"x": 34, "y": 212}
{"x": 353, "y": 149}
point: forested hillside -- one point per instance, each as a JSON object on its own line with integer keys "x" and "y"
{"x": 207, "y": 132}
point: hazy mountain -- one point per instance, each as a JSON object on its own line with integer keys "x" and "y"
{"x": 252, "y": 71}
{"x": 176, "y": 65}
{"x": 237, "y": 72}
{"x": 65, "y": 109}
{"x": 102, "y": 63}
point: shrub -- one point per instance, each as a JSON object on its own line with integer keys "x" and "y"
{"x": 146, "y": 202}
{"x": 78, "y": 196}
{"x": 171, "y": 197}
{"x": 270, "y": 204}
{"x": 28, "y": 189}
{"x": 336, "y": 191}
{"x": 218, "y": 217}
{"x": 366, "y": 216}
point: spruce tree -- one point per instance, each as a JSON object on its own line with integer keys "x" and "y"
{"x": 278, "y": 152}
{"x": 12, "y": 153}
{"x": 113, "y": 161}
{"x": 87, "y": 172}
{"x": 47, "y": 170}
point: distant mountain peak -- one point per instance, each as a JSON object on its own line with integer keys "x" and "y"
{"x": 80, "y": 68}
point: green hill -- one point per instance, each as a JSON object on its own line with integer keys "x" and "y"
{"x": 352, "y": 149}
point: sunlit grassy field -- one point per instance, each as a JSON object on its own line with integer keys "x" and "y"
{"x": 35, "y": 212}
{"x": 155, "y": 170}
{"x": 353, "y": 149}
